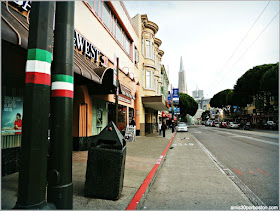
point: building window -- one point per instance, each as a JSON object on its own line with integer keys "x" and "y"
{"x": 91, "y": 3}
{"x": 148, "y": 49}
{"x": 152, "y": 53}
{"x": 142, "y": 45}
{"x": 119, "y": 33}
{"x": 136, "y": 56}
{"x": 127, "y": 45}
{"x": 148, "y": 79}
{"x": 143, "y": 78}
{"x": 106, "y": 15}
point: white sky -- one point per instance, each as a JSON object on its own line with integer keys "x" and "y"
{"x": 206, "y": 34}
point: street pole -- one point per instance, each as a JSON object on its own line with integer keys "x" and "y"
{"x": 172, "y": 105}
{"x": 60, "y": 187}
{"x": 33, "y": 167}
{"x": 117, "y": 93}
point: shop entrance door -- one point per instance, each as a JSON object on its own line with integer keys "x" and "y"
{"x": 83, "y": 120}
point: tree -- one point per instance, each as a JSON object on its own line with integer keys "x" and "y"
{"x": 248, "y": 85}
{"x": 187, "y": 105}
{"x": 204, "y": 115}
{"x": 223, "y": 100}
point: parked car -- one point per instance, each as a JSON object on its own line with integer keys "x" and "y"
{"x": 247, "y": 126}
{"x": 208, "y": 122}
{"x": 270, "y": 125}
{"x": 214, "y": 123}
{"x": 233, "y": 125}
{"x": 223, "y": 125}
{"x": 182, "y": 127}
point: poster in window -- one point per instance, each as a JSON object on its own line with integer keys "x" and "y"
{"x": 11, "y": 106}
{"x": 99, "y": 117}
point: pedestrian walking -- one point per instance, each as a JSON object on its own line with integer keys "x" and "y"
{"x": 163, "y": 127}
{"x": 159, "y": 128}
{"x": 132, "y": 122}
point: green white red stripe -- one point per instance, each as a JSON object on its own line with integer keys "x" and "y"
{"x": 62, "y": 86}
{"x": 38, "y": 67}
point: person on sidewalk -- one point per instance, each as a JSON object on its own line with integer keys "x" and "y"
{"x": 132, "y": 122}
{"x": 159, "y": 128}
{"x": 163, "y": 127}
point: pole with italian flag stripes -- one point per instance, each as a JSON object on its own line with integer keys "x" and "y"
{"x": 33, "y": 167}
{"x": 60, "y": 187}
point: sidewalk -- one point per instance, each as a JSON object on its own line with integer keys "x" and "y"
{"x": 142, "y": 155}
{"x": 190, "y": 180}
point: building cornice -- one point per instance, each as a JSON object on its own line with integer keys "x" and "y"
{"x": 149, "y": 24}
{"x": 158, "y": 42}
{"x": 160, "y": 52}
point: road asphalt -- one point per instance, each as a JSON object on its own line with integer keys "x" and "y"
{"x": 253, "y": 156}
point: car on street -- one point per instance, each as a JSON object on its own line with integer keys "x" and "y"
{"x": 182, "y": 127}
{"x": 213, "y": 124}
{"x": 233, "y": 125}
{"x": 223, "y": 125}
{"x": 208, "y": 122}
{"x": 270, "y": 125}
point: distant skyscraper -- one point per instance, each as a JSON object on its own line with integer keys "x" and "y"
{"x": 182, "y": 80}
{"x": 197, "y": 93}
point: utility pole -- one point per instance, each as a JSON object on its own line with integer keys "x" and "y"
{"x": 33, "y": 167}
{"x": 117, "y": 93}
{"x": 60, "y": 187}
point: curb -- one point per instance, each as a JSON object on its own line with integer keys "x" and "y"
{"x": 139, "y": 197}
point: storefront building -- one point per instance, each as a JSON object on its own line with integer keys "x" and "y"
{"x": 152, "y": 100}
{"x": 103, "y": 31}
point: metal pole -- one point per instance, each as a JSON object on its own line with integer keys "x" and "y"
{"x": 172, "y": 105}
{"x": 60, "y": 187}
{"x": 117, "y": 93}
{"x": 33, "y": 168}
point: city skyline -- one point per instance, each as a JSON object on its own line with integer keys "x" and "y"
{"x": 219, "y": 41}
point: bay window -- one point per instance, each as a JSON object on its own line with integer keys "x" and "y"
{"x": 148, "y": 49}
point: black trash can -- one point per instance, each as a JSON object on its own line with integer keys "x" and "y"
{"x": 106, "y": 164}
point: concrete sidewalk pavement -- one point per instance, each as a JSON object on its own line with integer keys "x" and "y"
{"x": 141, "y": 156}
{"x": 190, "y": 180}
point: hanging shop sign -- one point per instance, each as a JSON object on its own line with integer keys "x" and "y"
{"x": 130, "y": 133}
{"x": 89, "y": 50}
{"x": 176, "y": 96}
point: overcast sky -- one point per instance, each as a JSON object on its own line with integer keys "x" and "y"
{"x": 207, "y": 33}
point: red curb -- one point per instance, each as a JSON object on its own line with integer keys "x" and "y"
{"x": 139, "y": 194}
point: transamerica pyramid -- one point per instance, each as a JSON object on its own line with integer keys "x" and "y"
{"x": 182, "y": 79}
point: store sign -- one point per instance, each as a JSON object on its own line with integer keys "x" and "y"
{"x": 89, "y": 50}
{"x": 130, "y": 133}
{"x": 23, "y": 5}
{"x": 169, "y": 98}
{"x": 176, "y": 96}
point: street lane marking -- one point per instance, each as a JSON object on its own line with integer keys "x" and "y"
{"x": 240, "y": 173}
{"x": 255, "y": 139}
{"x": 262, "y": 172}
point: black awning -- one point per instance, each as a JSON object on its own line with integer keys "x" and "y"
{"x": 15, "y": 29}
{"x": 14, "y": 26}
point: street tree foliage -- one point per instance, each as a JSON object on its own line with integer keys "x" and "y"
{"x": 204, "y": 115}
{"x": 187, "y": 105}
{"x": 223, "y": 100}
{"x": 252, "y": 85}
